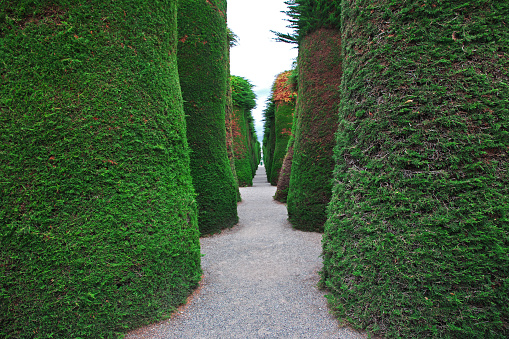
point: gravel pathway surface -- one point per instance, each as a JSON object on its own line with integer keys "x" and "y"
{"x": 259, "y": 280}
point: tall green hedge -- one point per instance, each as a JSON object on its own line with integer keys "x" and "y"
{"x": 417, "y": 240}
{"x": 98, "y": 224}
{"x": 254, "y": 145}
{"x": 203, "y": 69}
{"x": 229, "y": 121}
{"x": 283, "y": 182}
{"x": 319, "y": 67}
{"x": 243, "y": 129}
{"x": 269, "y": 135}
{"x": 284, "y": 98}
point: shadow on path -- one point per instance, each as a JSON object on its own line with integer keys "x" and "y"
{"x": 259, "y": 280}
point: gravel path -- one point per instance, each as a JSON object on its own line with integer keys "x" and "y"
{"x": 259, "y": 280}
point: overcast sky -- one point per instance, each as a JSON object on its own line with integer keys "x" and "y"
{"x": 257, "y": 57}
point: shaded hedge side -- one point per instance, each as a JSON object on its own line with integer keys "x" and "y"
{"x": 98, "y": 224}
{"x": 242, "y": 127}
{"x": 283, "y": 183}
{"x": 319, "y": 67}
{"x": 229, "y": 134}
{"x": 284, "y": 98}
{"x": 203, "y": 69}
{"x": 417, "y": 240}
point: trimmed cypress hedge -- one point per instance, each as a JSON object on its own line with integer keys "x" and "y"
{"x": 98, "y": 223}
{"x": 254, "y": 145}
{"x": 229, "y": 136}
{"x": 417, "y": 240}
{"x": 284, "y": 99}
{"x": 283, "y": 183}
{"x": 269, "y": 136}
{"x": 203, "y": 69}
{"x": 244, "y": 145}
{"x": 319, "y": 67}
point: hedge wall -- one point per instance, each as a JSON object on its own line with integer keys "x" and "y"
{"x": 254, "y": 145}
{"x": 244, "y": 147}
{"x": 283, "y": 182}
{"x": 269, "y": 136}
{"x": 319, "y": 67}
{"x": 417, "y": 240}
{"x": 98, "y": 223}
{"x": 203, "y": 69}
{"x": 284, "y": 98}
{"x": 229, "y": 120}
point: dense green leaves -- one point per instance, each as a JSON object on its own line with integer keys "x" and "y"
{"x": 203, "y": 69}
{"x": 98, "y": 223}
{"x": 319, "y": 67}
{"x": 284, "y": 96}
{"x": 417, "y": 240}
{"x": 245, "y": 144}
{"x": 307, "y": 16}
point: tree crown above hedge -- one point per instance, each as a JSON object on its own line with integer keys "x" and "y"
{"x": 307, "y": 16}
{"x": 242, "y": 93}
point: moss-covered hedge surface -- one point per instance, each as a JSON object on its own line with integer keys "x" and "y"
{"x": 284, "y": 97}
{"x": 203, "y": 69}
{"x": 98, "y": 224}
{"x": 417, "y": 240}
{"x": 319, "y": 67}
{"x": 244, "y": 143}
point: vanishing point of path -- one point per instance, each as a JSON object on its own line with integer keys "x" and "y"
{"x": 259, "y": 280}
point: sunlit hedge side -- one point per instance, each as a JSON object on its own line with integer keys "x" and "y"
{"x": 203, "y": 69}
{"x": 417, "y": 240}
{"x": 98, "y": 227}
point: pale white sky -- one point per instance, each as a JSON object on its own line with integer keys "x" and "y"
{"x": 258, "y": 57}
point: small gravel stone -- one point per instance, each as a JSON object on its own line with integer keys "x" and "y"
{"x": 259, "y": 281}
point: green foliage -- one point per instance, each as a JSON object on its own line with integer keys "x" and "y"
{"x": 246, "y": 148}
{"x": 269, "y": 135}
{"x": 242, "y": 93}
{"x": 283, "y": 183}
{"x": 229, "y": 135}
{"x": 417, "y": 240}
{"x": 203, "y": 69}
{"x": 284, "y": 99}
{"x": 316, "y": 122}
{"x": 98, "y": 224}
{"x": 307, "y": 16}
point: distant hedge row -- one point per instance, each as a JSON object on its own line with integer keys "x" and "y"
{"x": 245, "y": 144}
{"x": 98, "y": 224}
{"x": 269, "y": 136}
{"x": 203, "y": 69}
